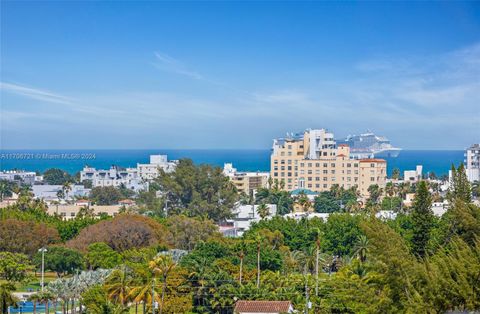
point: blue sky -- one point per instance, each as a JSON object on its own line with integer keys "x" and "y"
{"x": 237, "y": 74}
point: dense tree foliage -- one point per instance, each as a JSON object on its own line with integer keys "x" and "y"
{"x": 201, "y": 191}
{"x": 352, "y": 262}
{"x": 56, "y": 176}
{"x": 422, "y": 219}
{"x": 25, "y": 236}
{"x": 274, "y": 195}
{"x": 184, "y": 232}
{"x": 106, "y": 195}
{"x": 61, "y": 260}
{"x": 121, "y": 233}
{"x": 100, "y": 255}
{"x": 335, "y": 200}
{"x": 14, "y": 266}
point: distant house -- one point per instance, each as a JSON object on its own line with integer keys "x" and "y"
{"x": 271, "y": 307}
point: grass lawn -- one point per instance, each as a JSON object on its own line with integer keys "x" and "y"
{"x": 34, "y": 284}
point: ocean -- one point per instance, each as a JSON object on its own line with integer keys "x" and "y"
{"x": 72, "y": 161}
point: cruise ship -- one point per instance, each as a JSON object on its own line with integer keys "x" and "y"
{"x": 369, "y": 145}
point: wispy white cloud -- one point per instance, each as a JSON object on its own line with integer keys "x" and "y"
{"x": 167, "y": 63}
{"x": 35, "y": 93}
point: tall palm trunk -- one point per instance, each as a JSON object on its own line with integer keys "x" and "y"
{"x": 144, "y": 307}
{"x": 163, "y": 293}
{"x": 47, "y": 307}
{"x": 258, "y": 265}
{"x": 34, "y": 307}
{"x": 136, "y": 307}
{"x": 241, "y": 269}
{"x": 316, "y": 269}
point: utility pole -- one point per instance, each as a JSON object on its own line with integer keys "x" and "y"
{"x": 43, "y": 250}
{"x": 307, "y": 302}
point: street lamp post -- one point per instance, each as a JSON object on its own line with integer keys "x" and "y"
{"x": 43, "y": 250}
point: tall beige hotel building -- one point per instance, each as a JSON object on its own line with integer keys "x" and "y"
{"x": 312, "y": 160}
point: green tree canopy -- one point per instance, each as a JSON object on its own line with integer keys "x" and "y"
{"x": 14, "y": 266}
{"x": 100, "y": 255}
{"x": 56, "y": 176}
{"x": 198, "y": 191}
{"x": 61, "y": 260}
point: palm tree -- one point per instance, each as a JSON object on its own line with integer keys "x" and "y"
{"x": 117, "y": 286}
{"x": 162, "y": 266}
{"x": 258, "y": 241}
{"x": 67, "y": 187}
{"x": 34, "y": 298}
{"x": 7, "y": 298}
{"x": 241, "y": 255}
{"x": 317, "y": 257}
{"x": 303, "y": 201}
{"x": 361, "y": 248}
{"x": 45, "y": 297}
{"x": 263, "y": 210}
{"x": 6, "y": 189}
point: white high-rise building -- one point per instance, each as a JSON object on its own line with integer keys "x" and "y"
{"x": 472, "y": 163}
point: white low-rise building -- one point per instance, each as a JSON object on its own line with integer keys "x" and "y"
{"x": 152, "y": 170}
{"x": 24, "y": 177}
{"x": 135, "y": 179}
{"x": 413, "y": 175}
{"x": 115, "y": 176}
{"x": 49, "y": 193}
{"x": 245, "y": 215}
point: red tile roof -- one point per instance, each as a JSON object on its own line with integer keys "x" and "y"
{"x": 373, "y": 160}
{"x": 263, "y": 306}
{"x": 343, "y": 145}
{"x": 341, "y": 155}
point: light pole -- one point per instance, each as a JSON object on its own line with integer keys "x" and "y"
{"x": 43, "y": 250}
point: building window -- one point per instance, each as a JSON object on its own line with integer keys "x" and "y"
{"x": 289, "y": 174}
{"x": 333, "y": 165}
{"x": 325, "y": 186}
{"x": 333, "y": 171}
{"x": 372, "y": 165}
{"x": 372, "y": 179}
{"x": 325, "y": 165}
{"x": 317, "y": 178}
{"x": 325, "y": 178}
{"x": 310, "y": 164}
{"x": 310, "y": 171}
{"x": 317, "y": 165}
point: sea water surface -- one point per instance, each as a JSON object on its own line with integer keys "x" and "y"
{"x": 72, "y": 161}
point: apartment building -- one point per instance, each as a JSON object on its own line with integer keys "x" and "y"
{"x": 135, "y": 179}
{"x": 115, "y": 176}
{"x": 312, "y": 160}
{"x": 246, "y": 182}
{"x": 157, "y": 162}
{"x": 472, "y": 163}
